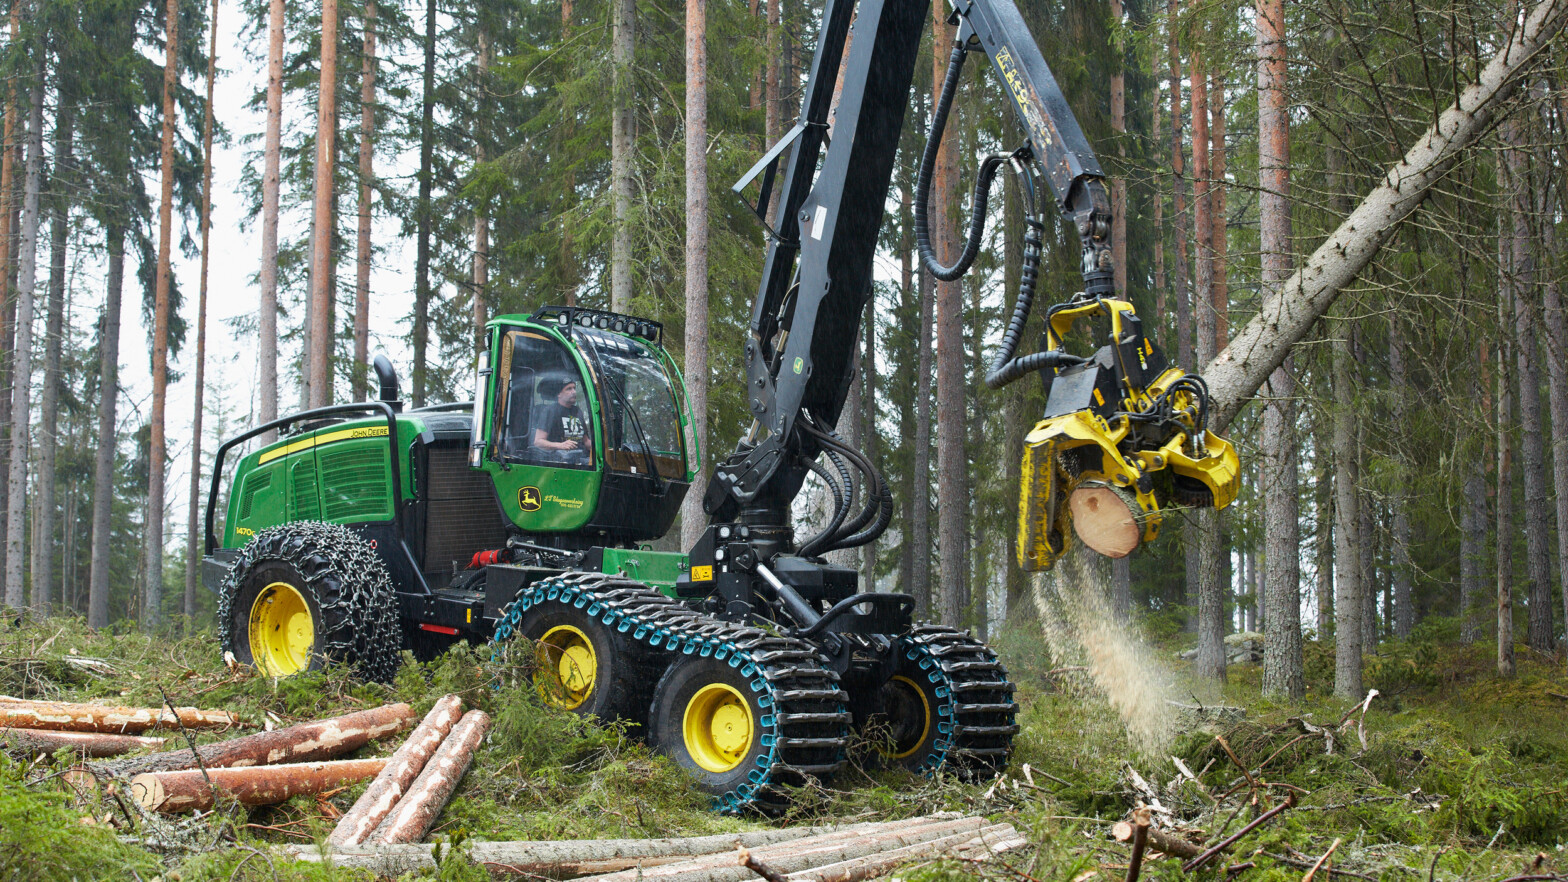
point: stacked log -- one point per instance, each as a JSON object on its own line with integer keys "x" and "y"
{"x": 192, "y": 789}
{"x": 405, "y": 765}
{"x": 305, "y": 743}
{"x": 416, "y": 812}
{"x": 62, "y": 716}
{"x": 86, "y": 744}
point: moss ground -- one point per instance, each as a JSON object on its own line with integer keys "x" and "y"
{"x": 1462, "y": 776}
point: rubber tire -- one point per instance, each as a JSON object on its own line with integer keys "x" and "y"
{"x": 614, "y": 697}
{"x": 909, "y": 709}
{"x": 352, "y": 602}
{"x": 680, "y": 682}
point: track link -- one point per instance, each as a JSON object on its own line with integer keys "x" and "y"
{"x": 977, "y": 717}
{"x": 806, "y": 734}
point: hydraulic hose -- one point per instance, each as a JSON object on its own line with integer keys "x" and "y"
{"x": 982, "y": 192}
{"x": 842, "y": 499}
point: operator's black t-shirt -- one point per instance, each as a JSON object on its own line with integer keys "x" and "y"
{"x": 563, "y": 423}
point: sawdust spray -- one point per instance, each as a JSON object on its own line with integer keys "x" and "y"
{"x": 1079, "y": 627}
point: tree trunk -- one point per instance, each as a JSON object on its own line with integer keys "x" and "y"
{"x": 22, "y": 361}
{"x": 920, "y": 483}
{"x": 49, "y": 411}
{"x": 367, "y": 177}
{"x": 1118, "y": 182}
{"x": 200, "y": 789}
{"x": 1323, "y": 555}
{"x": 382, "y": 795}
{"x": 1348, "y": 604}
{"x": 108, "y": 438}
{"x": 868, "y": 424}
{"x": 909, "y": 316}
{"x": 1472, "y": 548}
{"x": 267, "y": 317}
{"x": 481, "y": 268}
{"x": 318, "y": 358}
{"x": 1557, "y": 369}
{"x": 1179, "y": 205}
{"x": 773, "y": 87}
{"x": 623, "y": 45}
{"x": 418, "y": 810}
{"x": 193, "y": 529}
{"x": 693, "y": 520}
{"x": 1219, "y": 290}
{"x": 1262, "y": 345}
{"x": 1505, "y": 494}
{"x": 1283, "y": 676}
{"x": 304, "y": 743}
{"x": 952, "y": 502}
{"x": 152, "y": 596}
{"x": 427, "y": 136}
{"x": 1398, "y": 499}
{"x": 8, "y": 213}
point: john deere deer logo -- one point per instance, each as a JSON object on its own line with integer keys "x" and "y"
{"x": 528, "y": 499}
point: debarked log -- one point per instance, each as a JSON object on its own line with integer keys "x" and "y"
{"x": 188, "y": 790}
{"x": 88, "y": 744}
{"x": 61, "y": 716}
{"x": 405, "y": 765}
{"x": 305, "y": 743}
{"x": 417, "y": 811}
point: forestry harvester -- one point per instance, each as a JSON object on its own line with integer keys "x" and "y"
{"x": 367, "y": 527}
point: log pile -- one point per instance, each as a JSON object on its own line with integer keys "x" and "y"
{"x": 818, "y": 854}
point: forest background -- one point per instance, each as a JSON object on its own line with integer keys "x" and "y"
{"x": 389, "y": 174}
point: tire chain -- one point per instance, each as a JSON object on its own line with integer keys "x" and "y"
{"x": 351, "y": 586}
{"x": 977, "y": 719}
{"x": 807, "y": 732}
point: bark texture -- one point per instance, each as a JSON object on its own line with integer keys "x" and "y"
{"x": 267, "y": 317}
{"x": 49, "y": 411}
{"x": 481, "y": 268}
{"x": 318, "y": 378}
{"x": 22, "y": 352}
{"x": 190, "y": 790}
{"x": 367, "y": 178}
{"x": 103, "y": 457}
{"x": 693, "y": 520}
{"x": 427, "y": 136}
{"x": 193, "y": 511}
{"x": 404, "y": 766}
{"x": 952, "y": 504}
{"x": 88, "y": 744}
{"x": 418, "y": 810}
{"x": 623, "y": 45}
{"x": 1557, "y": 372}
{"x": 66, "y": 717}
{"x": 1263, "y": 343}
{"x": 920, "y": 485}
{"x": 1348, "y": 603}
{"x": 1505, "y": 494}
{"x": 307, "y": 742}
{"x": 1398, "y": 499}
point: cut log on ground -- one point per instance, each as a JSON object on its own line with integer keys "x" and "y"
{"x": 1105, "y": 519}
{"x": 89, "y": 744}
{"x": 188, "y": 790}
{"x": 569, "y": 857}
{"x": 993, "y": 839}
{"x": 305, "y": 743}
{"x": 1168, "y": 843}
{"x": 815, "y": 852}
{"x": 1239, "y": 371}
{"x": 383, "y": 793}
{"x": 60, "y": 716}
{"x": 416, "y": 812}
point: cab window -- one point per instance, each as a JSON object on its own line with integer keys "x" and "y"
{"x": 543, "y": 405}
{"x": 641, "y": 421}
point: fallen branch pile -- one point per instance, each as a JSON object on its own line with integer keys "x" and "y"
{"x": 817, "y": 854}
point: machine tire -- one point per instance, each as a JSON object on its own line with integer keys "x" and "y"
{"x": 322, "y": 592}
{"x": 694, "y": 699}
{"x": 564, "y": 636}
{"x": 908, "y": 719}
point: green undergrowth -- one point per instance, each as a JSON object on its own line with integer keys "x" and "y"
{"x": 1459, "y": 768}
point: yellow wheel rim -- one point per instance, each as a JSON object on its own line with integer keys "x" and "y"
{"x": 282, "y": 632}
{"x": 718, "y": 727}
{"x": 566, "y": 667}
{"x": 907, "y": 686}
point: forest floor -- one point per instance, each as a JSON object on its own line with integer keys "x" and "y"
{"x": 1462, "y": 776}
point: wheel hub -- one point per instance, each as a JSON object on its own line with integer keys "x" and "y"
{"x": 567, "y": 666}
{"x": 282, "y": 632}
{"x": 717, "y": 727}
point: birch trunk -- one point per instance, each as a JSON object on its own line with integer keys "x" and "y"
{"x": 367, "y": 177}
{"x": 49, "y": 411}
{"x": 1283, "y": 676}
{"x": 623, "y": 45}
{"x": 693, "y": 520}
{"x": 267, "y": 316}
{"x": 108, "y": 440}
{"x": 1348, "y": 603}
{"x": 193, "y": 512}
{"x": 319, "y": 356}
{"x": 1264, "y": 342}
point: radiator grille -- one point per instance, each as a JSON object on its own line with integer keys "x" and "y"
{"x": 462, "y": 515}
{"x": 356, "y": 484}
